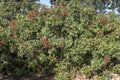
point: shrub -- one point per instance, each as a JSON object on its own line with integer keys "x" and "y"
{"x": 59, "y": 40}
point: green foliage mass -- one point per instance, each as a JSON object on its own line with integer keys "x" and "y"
{"x": 10, "y": 8}
{"x": 61, "y": 41}
{"x": 100, "y": 5}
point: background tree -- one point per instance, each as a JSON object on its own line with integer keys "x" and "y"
{"x": 100, "y": 5}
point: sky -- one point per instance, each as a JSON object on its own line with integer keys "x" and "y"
{"x": 47, "y": 2}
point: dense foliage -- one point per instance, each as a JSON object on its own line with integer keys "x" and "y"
{"x": 61, "y": 41}
{"x": 100, "y": 5}
{"x": 10, "y": 8}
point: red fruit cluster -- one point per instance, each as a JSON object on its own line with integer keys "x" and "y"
{"x": 12, "y": 23}
{"x": 45, "y": 42}
{"x": 2, "y": 42}
{"x": 64, "y": 11}
{"x": 14, "y": 47}
{"x": 102, "y": 20}
{"x": 32, "y": 15}
{"x": 106, "y": 60}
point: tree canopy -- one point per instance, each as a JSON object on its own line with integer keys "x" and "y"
{"x": 100, "y": 5}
